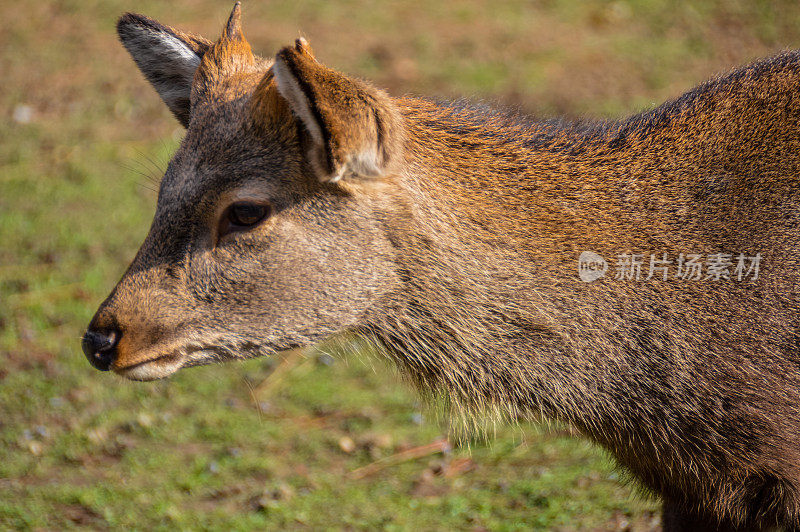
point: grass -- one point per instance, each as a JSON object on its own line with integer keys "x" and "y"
{"x": 274, "y": 443}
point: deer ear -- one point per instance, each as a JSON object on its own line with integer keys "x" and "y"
{"x": 167, "y": 57}
{"x": 354, "y": 129}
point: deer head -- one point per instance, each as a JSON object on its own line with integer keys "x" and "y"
{"x": 270, "y": 227}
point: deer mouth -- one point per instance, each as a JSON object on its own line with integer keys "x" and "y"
{"x": 154, "y": 368}
{"x": 165, "y": 364}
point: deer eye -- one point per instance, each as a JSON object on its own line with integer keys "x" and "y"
{"x": 243, "y": 216}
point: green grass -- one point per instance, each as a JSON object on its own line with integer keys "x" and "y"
{"x": 248, "y": 445}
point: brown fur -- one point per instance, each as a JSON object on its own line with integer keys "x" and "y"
{"x": 449, "y": 234}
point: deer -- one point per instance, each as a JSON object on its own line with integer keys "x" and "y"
{"x": 304, "y": 203}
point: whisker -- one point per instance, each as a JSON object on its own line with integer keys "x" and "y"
{"x": 151, "y": 189}
{"x": 148, "y": 176}
{"x": 149, "y": 159}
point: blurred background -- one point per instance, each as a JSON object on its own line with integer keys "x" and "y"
{"x": 315, "y": 439}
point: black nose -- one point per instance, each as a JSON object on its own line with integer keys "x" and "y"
{"x": 100, "y": 348}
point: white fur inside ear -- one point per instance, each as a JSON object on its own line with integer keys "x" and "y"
{"x": 166, "y": 61}
{"x": 365, "y": 164}
{"x": 290, "y": 89}
{"x": 182, "y": 61}
{"x": 184, "y": 57}
{"x": 158, "y": 51}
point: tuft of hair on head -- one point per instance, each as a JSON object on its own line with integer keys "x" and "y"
{"x": 186, "y": 69}
{"x": 230, "y": 56}
{"x": 233, "y": 28}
